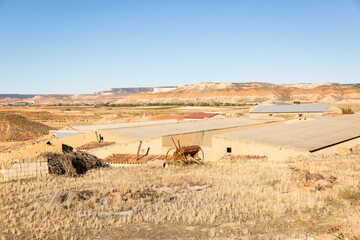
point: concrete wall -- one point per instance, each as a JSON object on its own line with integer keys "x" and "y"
{"x": 108, "y": 137}
{"x": 273, "y": 152}
{"x": 78, "y": 140}
{"x": 24, "y": 168}
{"x": 30, "y": 150}
{"x": 333, "y": 109}
{"x": 81, "y": 139}
{"x": 155, "y": 145}
{"x": 240, "y": 147}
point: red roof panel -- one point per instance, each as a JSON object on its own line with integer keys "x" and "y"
{"x": 201, "y": 115}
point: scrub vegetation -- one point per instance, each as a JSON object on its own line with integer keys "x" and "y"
{"x": 241, "y": 200}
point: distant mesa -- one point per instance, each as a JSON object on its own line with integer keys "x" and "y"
{"x": 137, "y": 90}
{"x": 17, "y": 96}
{"x": 201, "y": 93}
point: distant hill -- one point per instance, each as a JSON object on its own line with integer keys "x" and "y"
{"x": 252, "y": 92}
{"x": 137, "y": 90}
{"x": 207, "y": 92}
{"x": 18, "y": 96}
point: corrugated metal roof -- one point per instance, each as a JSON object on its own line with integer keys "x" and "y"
{"x": 308, "y": 135}
{"x": 293, "y": 108}
{"x": 201, "y": 115}
{"x": 146, "y": 132}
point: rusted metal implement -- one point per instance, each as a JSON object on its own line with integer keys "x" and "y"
{"x": 182, "y": 155}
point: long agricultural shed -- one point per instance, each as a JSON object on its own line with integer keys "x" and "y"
{"x": 295, "y": 110}
{"x": 158, "y": 138}
{"x": 324, "y": 135}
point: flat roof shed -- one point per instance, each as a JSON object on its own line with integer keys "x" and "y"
{"x": 292, "y": 108}
{"x": 309, "y": 136}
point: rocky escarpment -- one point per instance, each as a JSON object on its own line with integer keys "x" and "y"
{"x": 249, "y": 93}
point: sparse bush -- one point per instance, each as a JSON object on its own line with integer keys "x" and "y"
{"x": 347, "y": 111}
{"x": 352, "y": 194}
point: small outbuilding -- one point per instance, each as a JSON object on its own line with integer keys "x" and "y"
{"x": 295, "y": 110}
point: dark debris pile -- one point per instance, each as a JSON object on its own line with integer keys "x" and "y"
{"x": 72, "y": 164}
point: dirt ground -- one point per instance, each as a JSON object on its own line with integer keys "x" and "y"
{"x": 228, "y": 199}
{"x": 14, "y": 127}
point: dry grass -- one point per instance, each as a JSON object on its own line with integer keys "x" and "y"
{"x": 93, "y": 145}
{"x": 14, "y": 127}
{"x": 242, "y": 202}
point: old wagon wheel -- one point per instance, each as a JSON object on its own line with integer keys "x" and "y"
{"x": 199, "y": 156}
{"x": 173, "y": 157}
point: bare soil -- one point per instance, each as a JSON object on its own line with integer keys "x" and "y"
{"x": 14, "y": 127}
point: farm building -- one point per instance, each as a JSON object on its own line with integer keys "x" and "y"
{"x": 158, "y": 138}
{"x": 70, "y": 131}
{"x": 295, "y": 110}
{"x": 324, "y": 136}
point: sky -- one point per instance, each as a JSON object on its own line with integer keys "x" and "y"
{"x": 85, "y": 46}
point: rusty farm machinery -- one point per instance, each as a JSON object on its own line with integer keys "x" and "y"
{"x": 182, "y": 155}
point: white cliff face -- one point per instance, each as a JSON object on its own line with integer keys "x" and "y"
{"x": 163, "y": 89}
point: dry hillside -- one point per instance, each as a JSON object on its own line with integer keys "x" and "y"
{"x": 250, "y": 93}
{"x": 207, "y": 92}
{"x": 17, "y": 128}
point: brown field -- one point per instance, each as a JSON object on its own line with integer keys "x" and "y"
{"x": 59, "y": 116}
{"x": 242, "y": 201}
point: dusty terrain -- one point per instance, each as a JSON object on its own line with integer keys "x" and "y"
{"x": 59, "y": 116}
{"x": 241, "y": 200}
{"x": 14, "y": 127}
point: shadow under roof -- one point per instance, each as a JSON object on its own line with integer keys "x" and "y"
{"x": 146, "y": 132}
{"x": 308, "y": 135}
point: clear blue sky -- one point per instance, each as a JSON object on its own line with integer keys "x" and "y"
{"x": 83, "y": 46}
